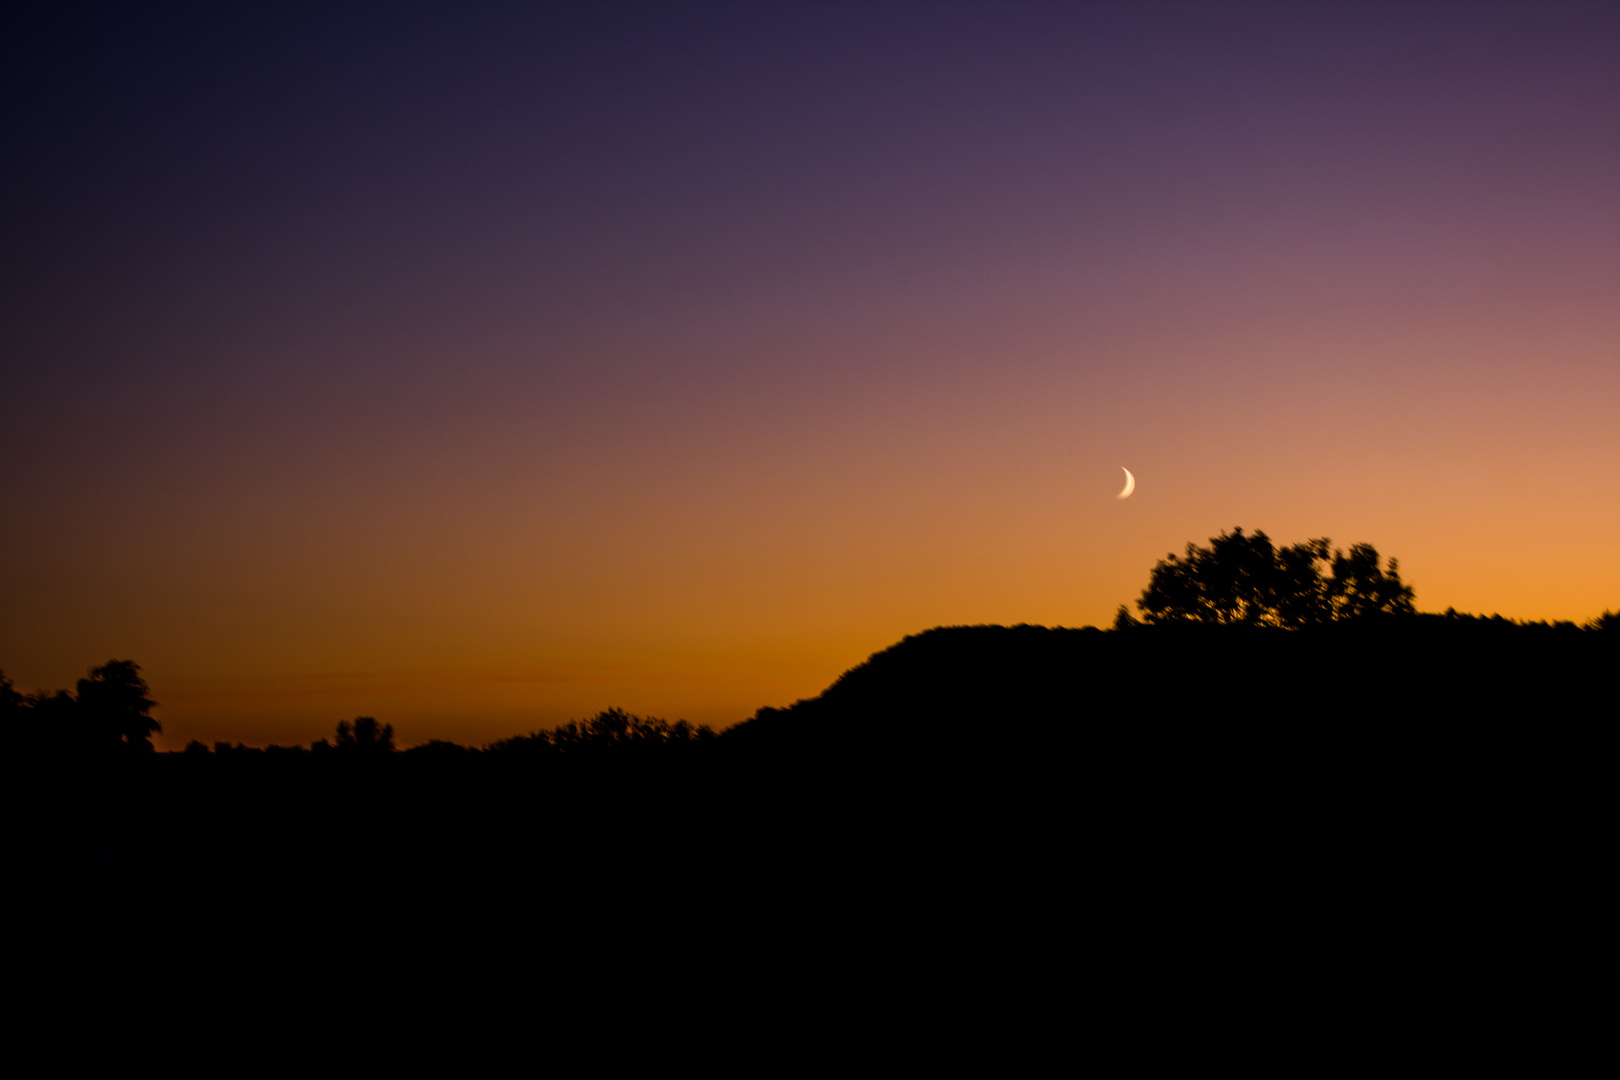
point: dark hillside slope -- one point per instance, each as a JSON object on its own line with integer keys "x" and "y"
{"x": 1384, "y": 779}
{"x": 1378, "y": 688}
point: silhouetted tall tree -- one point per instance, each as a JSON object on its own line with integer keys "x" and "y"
{"x": 1246, "y": 580}
{"x": 114, "y": 710}
{"x": 364, "y": 736}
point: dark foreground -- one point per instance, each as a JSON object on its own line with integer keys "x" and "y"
{"x": 1145, "y": 819}
{"x": 1099, "y": 760}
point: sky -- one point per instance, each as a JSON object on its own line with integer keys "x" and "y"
{"x": 481, "y": 366}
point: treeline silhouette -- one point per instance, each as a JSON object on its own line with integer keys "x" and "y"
{"x": 110, "y": 718}
{"x": 610, "y": 732}
{"x": 1274, "y": 713}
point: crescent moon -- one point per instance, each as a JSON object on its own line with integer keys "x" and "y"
{"x": 1130, "y": 485}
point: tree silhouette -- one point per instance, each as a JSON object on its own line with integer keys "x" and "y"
{"x": 364, "y": 736}
{"x": 1245, "y": 580}
{"x": 114, "y": 709}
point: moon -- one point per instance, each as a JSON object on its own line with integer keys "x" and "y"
{"x": 1130, "y": 485}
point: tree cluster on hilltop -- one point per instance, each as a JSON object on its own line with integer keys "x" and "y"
{"x": 1246, "y": 580}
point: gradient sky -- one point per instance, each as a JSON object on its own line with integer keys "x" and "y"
{"x": 481, "y": 366}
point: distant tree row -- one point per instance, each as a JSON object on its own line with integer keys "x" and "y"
{"x": 110, "y": 715}
{"x": 1246, "y": 580}
{"x": 363, "y": 738}
{"x": 610, "y": 731}
{"x": 613, "y": 730}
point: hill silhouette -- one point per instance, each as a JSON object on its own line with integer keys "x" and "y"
{"x": 1032, "y": 688}
{"x": 1249, "y": 652}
